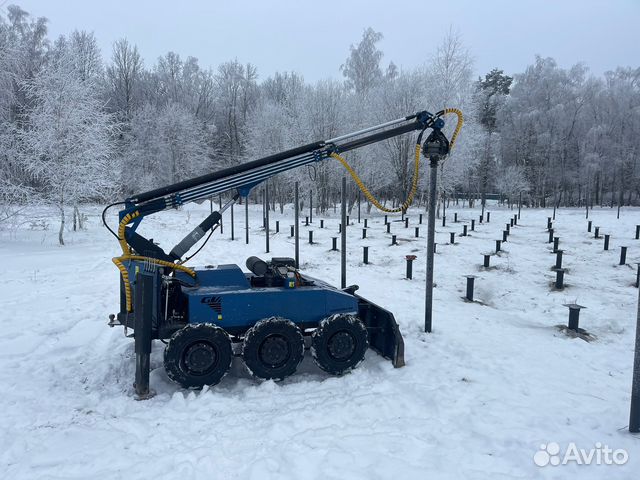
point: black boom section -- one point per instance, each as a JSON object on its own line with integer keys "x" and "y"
{"x": 378, "y": 137}
{"x": 145, "y": 247}
{"x": 225, "y": 173}
{"x": 196, "y": 234}
{"x": 247, "y": 175}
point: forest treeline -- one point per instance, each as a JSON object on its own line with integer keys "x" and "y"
{"x": 79, "y": 125}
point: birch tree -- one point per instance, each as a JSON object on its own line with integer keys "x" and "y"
{"x": 124, "y": 79}
{"x": 67, "y": 146}
{"x": 236, "y": 90}
{"x": 449, "y": 76}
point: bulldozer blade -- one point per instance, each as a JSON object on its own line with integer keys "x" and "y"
{"x": 384, "y": 333}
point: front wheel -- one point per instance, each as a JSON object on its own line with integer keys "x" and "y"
{"x": 198, "y": 355}
{"x": 339, "y": 343}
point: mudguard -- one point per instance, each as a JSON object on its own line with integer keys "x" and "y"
{"x": 384, "y": 333}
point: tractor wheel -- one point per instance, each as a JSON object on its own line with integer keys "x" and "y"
{"x": 339, "y": 343}
{"x": 198, "y": 355}
{"x": 273, "y": 348}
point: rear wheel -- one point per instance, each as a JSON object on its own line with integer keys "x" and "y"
{"x": 273, "y": 348}
{"x": 339, "y": 343}
{"x": 198, "y": 355}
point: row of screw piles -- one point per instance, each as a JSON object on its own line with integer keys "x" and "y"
{"x": 465, "y": 228}
{"x": 452, "y": 240}
{"x": 365, "y": 249}
{"x": 574, "y": 308}
{"x": 455, "y": 219}
{"x": 505, "y": 234}
{"x": 409, "y": 258}
{"x": 623, "y": 248}
{"x": 559, "y": 283}
{"x": 487, "y": 257}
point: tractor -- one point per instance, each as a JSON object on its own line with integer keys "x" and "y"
{"x": 271, "y": 313}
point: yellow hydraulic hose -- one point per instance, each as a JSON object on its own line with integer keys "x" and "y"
{"x": 126, "y": 255}
{"x": 416, "y": 170}
{"x": 119, "y": 262}
{"x": 458, "y": 113}
{"x": 370, "y": 197}
{"x": 121, "y": 226}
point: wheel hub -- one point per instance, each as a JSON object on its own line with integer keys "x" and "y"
{"x": 200, "y": 357}
{"x": 274, "y": 351}
{"x": 341, "y": 345}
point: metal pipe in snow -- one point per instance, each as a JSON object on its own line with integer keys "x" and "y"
{"x": 297, "y": 225}
{"x": 634, "y": 414}
{"x": 343, "y": 235}
{"x": 431, "y": 236}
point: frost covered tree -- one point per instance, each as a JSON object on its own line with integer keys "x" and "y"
{"x": 449, "y": 75}
{"x": 277, "y": 125}
{"x": 23, "y": 50}
{"x": 490, "y": 96}
{"x": 616, "y": 135}
{"x": 369, "y": 96}
{"x": 322, "y": 111}
{"x": 510, "y": 181}
{"x": 67, "y": 146}
{"x": 165, "y": 145}
{"x": 182, "y": 143}
{"x": 124, "y": 76}
{"x": 540, "y": 126}
{"x": 574, "y": 137}
{"x": 85, "y": 55}
{"x": 236, "y": 92}
{"x": 491, "y": 93}
{"x": 15, "y": 190}
{"x": 362, "y": 68}
{"x": 23, "y": 47}
{"x": 398, "y": 97}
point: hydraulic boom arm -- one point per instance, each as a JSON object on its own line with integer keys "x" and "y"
{"x": 244, "y": 177}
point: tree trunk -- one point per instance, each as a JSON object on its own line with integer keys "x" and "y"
{"x": 444, "y": 206}
{"x": 620, "y": 200}
{"x": 613, "y": 191}
{"x": 77, "y": 219}
{"x": 61, "y": 231}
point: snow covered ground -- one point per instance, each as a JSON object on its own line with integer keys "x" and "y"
{"x": 477, "y": 398}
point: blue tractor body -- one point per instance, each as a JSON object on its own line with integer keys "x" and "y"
{"x": 225, "y": 296}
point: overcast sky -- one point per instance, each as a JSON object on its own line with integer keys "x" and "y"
{"x": 313, "y": 37}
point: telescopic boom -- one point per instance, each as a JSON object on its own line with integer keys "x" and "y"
{"x": 245, "y": 176}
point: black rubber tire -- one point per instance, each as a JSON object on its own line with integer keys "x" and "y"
{"x": 339, "y": 343}
{"x": 273, "y": 348}
{"x": 198, "y": 355}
